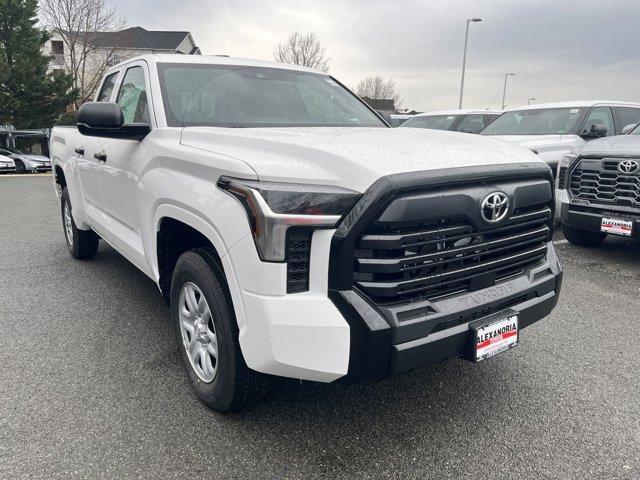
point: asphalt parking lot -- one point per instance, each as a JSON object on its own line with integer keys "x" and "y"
{"x": 91, "y": 387}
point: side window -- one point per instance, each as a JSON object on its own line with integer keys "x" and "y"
{"x": 491, "y": 117}
{"x": 107, "y": 88}
{"x": 628, "y": 116}
{"x": 471, "y": 124}
{"x": 600, "y": 116}
{"x": 132, "y": 97}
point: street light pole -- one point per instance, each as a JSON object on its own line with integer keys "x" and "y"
{"x": 464, "y": 56}
{"x": 531, "y": 99}
{"x": 504, "y": 90}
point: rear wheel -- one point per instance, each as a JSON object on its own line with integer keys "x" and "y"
{"x": 81, "y": 243}
{"x": 583, "y": 238}
{"x": 207, "y": 333}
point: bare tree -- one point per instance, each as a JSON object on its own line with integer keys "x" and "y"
{"x": 85, "y": 27}
{"x": 378, "y": 88}
{"x": 305, "y": 50}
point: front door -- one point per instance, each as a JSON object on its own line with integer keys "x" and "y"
{"x": 122, "y": 168}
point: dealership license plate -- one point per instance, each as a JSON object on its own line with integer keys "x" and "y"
{"x": 496, "y": 337}
{"x": 616, "y": 226}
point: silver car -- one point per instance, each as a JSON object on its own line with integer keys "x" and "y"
{"x": 27, "y": 162}
{"x": 7, "y": 165}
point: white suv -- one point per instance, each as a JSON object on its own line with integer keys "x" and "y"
{"x": 293, "y": 233}
{"x": 554, "y": 129}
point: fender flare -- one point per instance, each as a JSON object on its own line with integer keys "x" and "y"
{"x": 197, "y": 222}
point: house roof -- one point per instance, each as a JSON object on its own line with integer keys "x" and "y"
{"x": 380, "y": 103}
{"x": 138, "y": 38}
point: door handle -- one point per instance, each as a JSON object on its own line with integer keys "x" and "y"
{"x": 101, "y": 157}
{"x": 79, "y": 150}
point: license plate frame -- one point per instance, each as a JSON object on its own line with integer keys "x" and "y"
{"x": 495, "y": 335}
{"x": 617, "y": 226}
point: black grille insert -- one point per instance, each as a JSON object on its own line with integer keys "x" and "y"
{"x": 298, "y": 256}
{"x": 448, "y": 255}
{"x": 561, "y": 177}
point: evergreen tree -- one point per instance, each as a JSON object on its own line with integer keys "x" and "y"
{"x": 29, "y": 96}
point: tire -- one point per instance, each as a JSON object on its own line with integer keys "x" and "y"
{"x": 232, "y": 386}
{"x": 583, "y": 238}
{"x": 20, "y": 168}
{"x": 82, "y": 244}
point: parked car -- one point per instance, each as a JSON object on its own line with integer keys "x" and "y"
{"x": 293, "y": 233}
{"x": 467, "y": 121}
{"x": 27, "y": 162}
{"x": 599, "y": 190}
{"x": 7, "y": 165}
{"x": 554, "y": 129}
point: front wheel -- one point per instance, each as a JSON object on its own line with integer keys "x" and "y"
{"x": 20, "y": 168}
{"x": 583, "y": 238}
{"x": 82, "y": 244}
{"x": 207, "y": 334}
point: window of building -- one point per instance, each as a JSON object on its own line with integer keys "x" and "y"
{"x": 57, "y": 47}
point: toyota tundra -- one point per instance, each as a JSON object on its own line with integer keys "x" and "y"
{"x": 293, "y": 233}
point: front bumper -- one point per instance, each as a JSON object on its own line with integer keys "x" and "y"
{"x": 380, "y": 350}
{"x": 589, "y": 217}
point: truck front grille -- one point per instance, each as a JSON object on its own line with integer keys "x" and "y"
{"x": 443, "y": 256}
{"x": 601, "y": 182}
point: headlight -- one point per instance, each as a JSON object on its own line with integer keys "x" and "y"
{"x": 272, "y": 208}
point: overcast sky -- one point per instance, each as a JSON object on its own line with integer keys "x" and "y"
{"x": 562, "y": 50}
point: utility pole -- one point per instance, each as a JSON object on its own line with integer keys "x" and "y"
{"x": 504, "y": 90}
{"x": 464, "y": 55}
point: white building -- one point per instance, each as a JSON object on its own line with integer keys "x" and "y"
{"x": 109, "y": 48}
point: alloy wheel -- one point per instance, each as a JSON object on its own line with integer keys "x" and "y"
{"x": 68, "y": 225}
{"x": 198, "y": 332}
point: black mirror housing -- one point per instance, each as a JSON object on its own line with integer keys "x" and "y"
{"x": 106, "y": 119}
{"x": 596, "y": 131}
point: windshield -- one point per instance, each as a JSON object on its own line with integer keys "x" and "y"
{"x": 239, "y": 96}
{"x": 543, "y": 121}
{"x": 635, "y": 131}
{"x": 434, "y": 122}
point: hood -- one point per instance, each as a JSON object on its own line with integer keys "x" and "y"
{"x": 620, "y": 144}
{"x": 351, "y": 157}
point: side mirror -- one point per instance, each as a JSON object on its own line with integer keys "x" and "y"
{"x": 596, "y": 131}
{"x": 628, "y": 128}
{"x": 103, "y": 119}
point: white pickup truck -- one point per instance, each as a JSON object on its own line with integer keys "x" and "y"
{"x": 293, "y": 233}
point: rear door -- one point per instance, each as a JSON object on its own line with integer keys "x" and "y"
{"x": 123, "y": 164}
{"x": 89, "y": 166}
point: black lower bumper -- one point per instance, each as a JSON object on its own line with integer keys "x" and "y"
{"x": 456, "y": 342}
{"x": 382, "y": 348}
{"x": 589, "y": 218}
